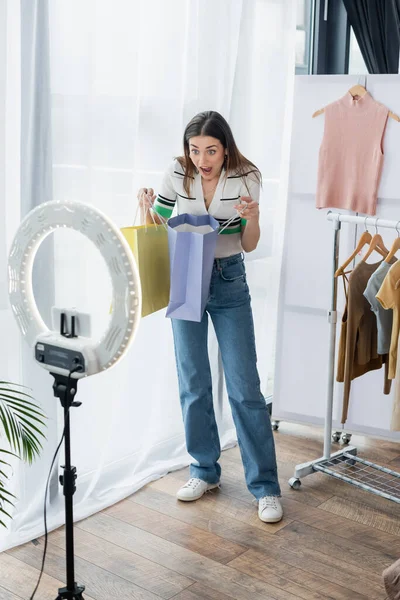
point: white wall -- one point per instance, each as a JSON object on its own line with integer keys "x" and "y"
{"x": 302, "y": 351}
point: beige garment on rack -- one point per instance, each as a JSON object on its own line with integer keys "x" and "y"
{"x": 395, "y": 421}
{"x": 389, "y": 297}
{"x": 358, "y": 347}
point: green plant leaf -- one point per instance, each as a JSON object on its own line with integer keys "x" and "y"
{"x": 22, "y": 409}
{"x": 31, "y": 426}
{"x": 9, "y": 427}
{"x": 6, "y": 393}
{"x": 5, "y": 513}
{"x": 22, "y": 422}
{"x": 15, "y": 387}
{"x": 24, "y": 403}
{"x": 4, "y": 423}
{"x": 2, "y": 451}
{"x": 6, "y": 492}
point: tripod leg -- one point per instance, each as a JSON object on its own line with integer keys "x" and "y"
{"x": 64, "y": 594}
{"x": 65, "y": 389}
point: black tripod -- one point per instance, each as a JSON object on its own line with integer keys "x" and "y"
{"x": 65, "y": 389}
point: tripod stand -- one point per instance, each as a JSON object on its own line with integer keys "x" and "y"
{"x": 65, "y": 389}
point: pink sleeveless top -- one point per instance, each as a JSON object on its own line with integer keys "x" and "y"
{"x": 351, "y": 154}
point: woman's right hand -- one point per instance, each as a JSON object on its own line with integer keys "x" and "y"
{"x": 146, "y": 197}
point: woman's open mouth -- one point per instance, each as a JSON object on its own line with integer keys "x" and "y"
{"x": 206, "y": 170}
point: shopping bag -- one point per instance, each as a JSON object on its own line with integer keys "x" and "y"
{"x": 149, "y": 244}
{"x": 192, "y": 241}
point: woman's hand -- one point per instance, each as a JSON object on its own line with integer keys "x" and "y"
{"x": 251, "y": 231}
{"x": 146, "y": 197}
{"x": 248, "y": 209}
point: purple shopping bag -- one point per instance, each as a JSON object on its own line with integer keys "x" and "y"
{"x": 192, "y": 241}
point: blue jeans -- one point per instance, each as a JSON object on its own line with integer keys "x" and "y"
{"x": 230, "y": 310}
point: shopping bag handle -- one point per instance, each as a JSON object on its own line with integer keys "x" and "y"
{"x": 149, "y": 209}
{"x": 229, "y": 221}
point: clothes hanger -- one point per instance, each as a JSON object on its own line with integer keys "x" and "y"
{"x": 395, "y": 247}
{"x": 365, "y": 238}
{"x": 377, "y": 244}
{"x": 358, "y": 90}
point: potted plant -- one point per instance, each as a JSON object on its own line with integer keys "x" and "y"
{"x": 21, "y": 424}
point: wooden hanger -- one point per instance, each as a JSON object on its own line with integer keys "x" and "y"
{"x": 376, "y": 244}
{"x": 395, "y": 247}
{"x": 366, "y": 238}
{"x": 357, "y": 90}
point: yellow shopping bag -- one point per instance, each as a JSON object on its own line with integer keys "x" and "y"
{"x": 149, "y": 244}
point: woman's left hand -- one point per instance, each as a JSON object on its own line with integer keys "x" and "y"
{"x": 251, "y": 210}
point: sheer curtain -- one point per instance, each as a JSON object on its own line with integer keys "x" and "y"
{"x": 126, "y": 76}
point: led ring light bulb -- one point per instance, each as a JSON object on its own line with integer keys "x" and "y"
{"x": 53, "y": 351}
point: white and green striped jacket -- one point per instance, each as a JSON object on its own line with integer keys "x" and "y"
{"x": 227, "y": 194}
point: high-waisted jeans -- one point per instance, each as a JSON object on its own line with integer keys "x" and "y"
{"x": 230, "y": 310}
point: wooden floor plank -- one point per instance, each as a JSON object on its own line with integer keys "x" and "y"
{"x": 139, "y": 571}
{"x": 358, "y": 582}
{"x": 301, "y": 583}
{"x": 6, "y": 595}
{"x": 332, "y": 545}
{"x": 98, "y": 582}
{"x": 20, "y": 578}
{"x": 213, "y": 574}
{"x": 395, "y": 464}
{"x": 356, "y": 511}
{"x": 201, "y": 592}
{"x": 191, "y": 537}
{"x": 338, "y": 565}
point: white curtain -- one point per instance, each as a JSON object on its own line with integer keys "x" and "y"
{"x": 10, "y": 349}
{"x": 126, "y": 76}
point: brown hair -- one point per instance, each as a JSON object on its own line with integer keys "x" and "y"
{"x": 213, "y": 124}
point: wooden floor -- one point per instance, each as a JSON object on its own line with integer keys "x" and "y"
{"x": 334, "y": 541}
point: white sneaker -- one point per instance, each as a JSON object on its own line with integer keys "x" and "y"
{"x": 194, "y": 489}
{"x": 270, "y": 509}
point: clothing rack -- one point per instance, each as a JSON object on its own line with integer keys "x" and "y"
{"x": 345, "y": 464}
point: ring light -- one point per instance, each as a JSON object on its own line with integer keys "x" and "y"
{"x": 55, "y": 352}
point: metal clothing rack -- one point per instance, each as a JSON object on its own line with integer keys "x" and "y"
{"x": 345, "y": 464}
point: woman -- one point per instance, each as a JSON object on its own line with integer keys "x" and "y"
{"x": 214, "y": 177}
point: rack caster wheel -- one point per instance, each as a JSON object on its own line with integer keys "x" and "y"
{"x": 346, "y": 437}
{"x": 275, "y": 425}
{"x": 335, "y": 436}
{"x": 295, "y": 483}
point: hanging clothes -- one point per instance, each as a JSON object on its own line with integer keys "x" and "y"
{"x": 395, "y": 420}
{"x": 384, "y": 318}
{"x": 351, "y": 154}
{"x": 358, "y": 352}
{"x": 389, "y": 298}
